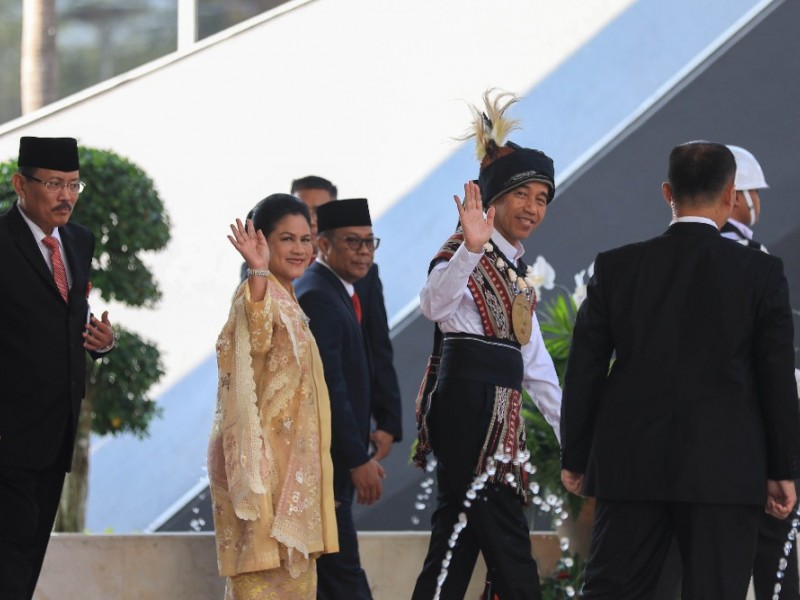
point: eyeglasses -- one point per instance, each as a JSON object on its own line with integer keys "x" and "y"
{"x": 355, "y": 243}
{"x": 73, "y": 187}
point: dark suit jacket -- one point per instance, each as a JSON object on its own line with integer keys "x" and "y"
{"x": 386, "y": 405}
{"x": 341, "y": 345}
{"x": 41, "y": 348}
{"x": 700, "y": 404}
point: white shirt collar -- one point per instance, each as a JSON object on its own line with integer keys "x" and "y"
{"x": 511, "y": 251}
{"x": 743, "y": 229}
{"x": 349, "y": 287}
{"x": 705, "y": 220}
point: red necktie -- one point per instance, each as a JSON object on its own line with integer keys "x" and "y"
{"x": 356, "y": 305}
{"x": 59, "y": 271}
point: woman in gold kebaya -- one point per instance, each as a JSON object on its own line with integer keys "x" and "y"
{"x": 269, "y": 453}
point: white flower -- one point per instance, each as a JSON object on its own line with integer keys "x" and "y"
{"x": 579, "y": 295}
{"x": 581, "y": 280}
{"x": 488, "y": 247}
{"x": 542, "y": 274}
{"x": 500, "y": 263}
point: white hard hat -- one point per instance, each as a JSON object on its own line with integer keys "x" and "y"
{"x": 749, "y": 175}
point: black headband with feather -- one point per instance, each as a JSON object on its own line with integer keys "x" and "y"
{"x": 505, "y": 165}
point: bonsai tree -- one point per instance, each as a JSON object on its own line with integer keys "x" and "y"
{"x": 121, "y": 207}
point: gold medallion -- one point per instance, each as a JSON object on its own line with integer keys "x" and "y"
{"x": 521, "y": 318}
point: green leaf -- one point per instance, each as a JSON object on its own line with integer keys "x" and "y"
{"x": 120, "y": 383}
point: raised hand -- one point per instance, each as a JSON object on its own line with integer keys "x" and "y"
{"x": 477, "y": 227}
{"x": 251, "y": 244}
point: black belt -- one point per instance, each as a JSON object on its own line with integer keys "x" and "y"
{"x": 479, "y": 358}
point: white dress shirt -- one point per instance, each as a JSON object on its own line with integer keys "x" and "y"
{"x": 744, "y": 231}
{"x": 348, "y": 287}
{"x": 446, "y": 299}
{"x": 743, "y": 235}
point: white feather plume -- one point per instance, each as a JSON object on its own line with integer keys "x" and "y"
{"x": 490, "y": 126}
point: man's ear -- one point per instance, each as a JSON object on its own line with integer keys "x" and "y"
{"x": 666, "y": 190}
{"x": 16, "y": 181}
{"x": 323, "y": 244}
{"x": 729, "y": 197}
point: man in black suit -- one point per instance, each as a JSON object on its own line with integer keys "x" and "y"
{"x": 326, "y": 295}
{"x": 45, "y": 264}
{"x": 696, "y": 422}
{"x": 386, "y": 407}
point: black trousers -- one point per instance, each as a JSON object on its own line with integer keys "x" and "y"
{"x": 630, "y": 541}
{"x": 496, "y": 523}
{"x": 339, "y": 575}
{"x": 772, "y": 535}
{"x": 28, "y": 504}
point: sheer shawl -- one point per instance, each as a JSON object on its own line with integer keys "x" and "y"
{"x": 269, "y": 464}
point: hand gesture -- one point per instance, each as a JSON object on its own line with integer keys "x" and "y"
{"x": 98, "y": 333}
{"x": 477, "y": 227}
{"x": 367, "y": 481}
{"x": 251, "y": 244}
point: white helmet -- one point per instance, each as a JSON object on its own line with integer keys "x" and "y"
{"x": 749, "y": 175}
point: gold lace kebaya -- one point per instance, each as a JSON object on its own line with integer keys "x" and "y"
{"x": 269, "y": 464}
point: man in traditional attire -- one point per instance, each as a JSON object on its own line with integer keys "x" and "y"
{"x": 489, "y": 347}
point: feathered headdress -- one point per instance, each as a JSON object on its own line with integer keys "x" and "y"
{"x": 490, "y": 126}
{"x": 503, "y": 164}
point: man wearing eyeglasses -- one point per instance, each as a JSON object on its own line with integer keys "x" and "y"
{"x": 45, "y": 330}
{"x": 327, "y": 295}
{"x": 314, "y": 192}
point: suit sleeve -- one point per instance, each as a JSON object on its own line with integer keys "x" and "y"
{"x": 385, "y": 403}
{"x": 586, "y": 373}
{"x": 346, "y": 442}
{"x": 773, "y": 353}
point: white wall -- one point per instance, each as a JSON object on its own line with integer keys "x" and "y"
{"x": 183, "y": 566}
{"x": 367, "y": 93}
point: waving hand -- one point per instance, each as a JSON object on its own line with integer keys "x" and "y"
{"x": 477, "y": 227}
{"x": 251, "y": 244}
